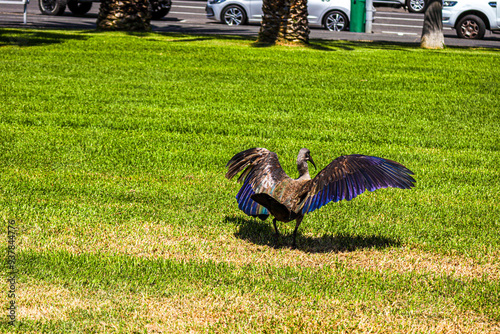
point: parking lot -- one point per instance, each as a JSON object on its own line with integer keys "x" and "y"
{"x": 188, "y": 16}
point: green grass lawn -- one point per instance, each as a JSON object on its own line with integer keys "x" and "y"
{"x": 112, "y": 159}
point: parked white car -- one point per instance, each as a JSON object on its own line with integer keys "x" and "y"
{"x": 332, "y": 14}
{"x": 471, "y": 18}
{"x": 414, "y": 6}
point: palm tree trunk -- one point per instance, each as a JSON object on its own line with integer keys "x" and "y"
{"x": 128, "y": 15}
{"x": 284, "y": 22}
{"x": 432, "y": 32}
{"x": 297, "y": 27}
{"x": 271, "y": 21}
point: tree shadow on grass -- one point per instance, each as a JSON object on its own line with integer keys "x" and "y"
{"x": 262, "y": 233}
{"x": 334, "y": 45}
{"x": 216, "y": 33}
{"x": 186, "y": 36}
{"x": 25, "y": 37}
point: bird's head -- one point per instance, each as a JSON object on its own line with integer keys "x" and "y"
{"x": 304, "y": 156}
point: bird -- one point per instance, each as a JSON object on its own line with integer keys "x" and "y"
{"x": 268, "y": 190}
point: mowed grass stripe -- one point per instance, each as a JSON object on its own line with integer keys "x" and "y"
{"x": 434, "y": 221}
{"x": 165, "y": 277}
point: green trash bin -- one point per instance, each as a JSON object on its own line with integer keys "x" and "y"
{"x": 358, "y": 15}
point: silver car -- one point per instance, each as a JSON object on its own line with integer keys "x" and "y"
{"x": 414, "y": 6}
{"x": 332, "y": 14}
{"x": 471, "y": 18}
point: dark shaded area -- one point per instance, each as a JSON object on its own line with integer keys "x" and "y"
{"x": 30, "y": 36}
{"x": 334, "y": 45}
{"x": 56, "y": 23}
{"x": 262, "y": 233}
{"x": 315, "y": 44}
{"x": 25, "y": 38}
{"x": 200, "y": 37}
{"x": 324, "y": 45}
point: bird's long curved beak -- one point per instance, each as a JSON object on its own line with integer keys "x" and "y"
{"x": 311, "y": 160}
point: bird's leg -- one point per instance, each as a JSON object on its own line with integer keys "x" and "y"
{"x": 298, "y": 221}
{"x": 277, "y": 235}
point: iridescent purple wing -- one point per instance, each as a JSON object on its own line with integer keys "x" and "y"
{"x": 350, "y": 175}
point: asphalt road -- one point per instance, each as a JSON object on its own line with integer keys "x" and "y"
{"x": 188, "y": 16}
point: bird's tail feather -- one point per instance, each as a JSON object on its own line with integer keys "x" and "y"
{"x": 278, "y": 210}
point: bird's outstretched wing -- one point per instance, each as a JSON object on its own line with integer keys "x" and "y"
{"x": 350, "y": 175}
{"x": 261, "y": 173}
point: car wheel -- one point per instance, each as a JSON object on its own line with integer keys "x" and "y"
{"x": 335, "y": 21}
{"x": 233, "y": 16}
{"x": 160, "y": 8}
{"x": 52, "y": 7}
{"x": 415, "y": 6}
{"x": 471, "y": 27}
{"x": 79, "y": 8}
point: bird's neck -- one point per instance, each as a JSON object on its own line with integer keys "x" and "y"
{"x": 303, "y": 170}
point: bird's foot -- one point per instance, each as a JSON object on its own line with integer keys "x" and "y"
{"x": 276, "y": 240}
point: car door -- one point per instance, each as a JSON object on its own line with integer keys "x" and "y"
{"x": 255, "y": 14}
{"x": 315, "y": 10}
{"x": 498, "y": 13}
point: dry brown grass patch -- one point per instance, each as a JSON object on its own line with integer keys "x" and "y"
{"x": 232, "y": 312}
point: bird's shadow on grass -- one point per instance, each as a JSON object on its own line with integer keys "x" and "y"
{"x": 262, "y": 233}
